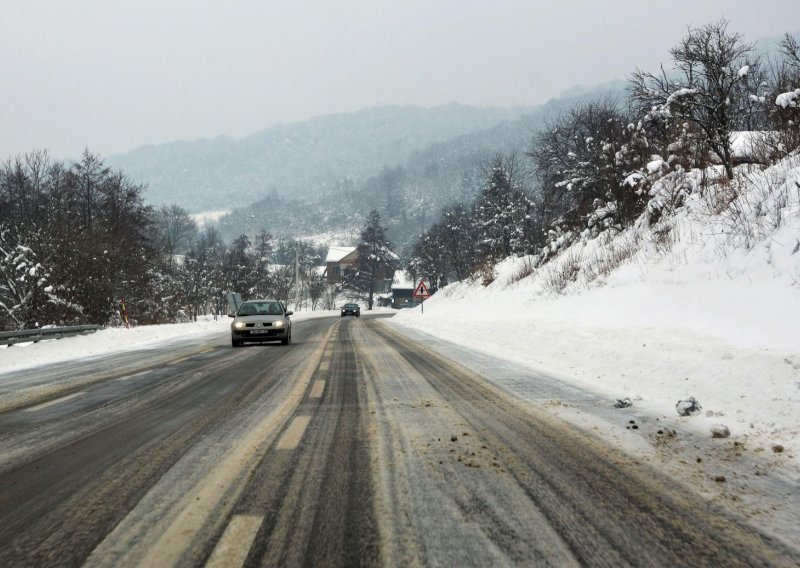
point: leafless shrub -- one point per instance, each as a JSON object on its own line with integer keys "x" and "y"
{"x": 528, "y": 267}
{"x": 766, "y": 148}
{"x": 487, "y": 273}
{"x": 663, "y": 237}
{"x": 612, "y": 256}
{"x": 759, "y": 206}
{"x": 566, "y": 270}
{"x": 719, "y": 193}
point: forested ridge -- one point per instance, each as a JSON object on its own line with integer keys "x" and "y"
{"x": 299, "y": 159}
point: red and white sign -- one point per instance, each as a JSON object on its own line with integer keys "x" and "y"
{"x": 422, "y": 290}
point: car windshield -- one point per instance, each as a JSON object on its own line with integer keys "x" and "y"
{"x": 261, "y": 309}
{"x": 351, "y": 305}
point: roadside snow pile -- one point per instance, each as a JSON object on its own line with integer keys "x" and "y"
{"x": 115, "y": 339}
{"x": 688, "y": 407}
{"x": 700, "y": 298}
{"x": 102, "y": 342}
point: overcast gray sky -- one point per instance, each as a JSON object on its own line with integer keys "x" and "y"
{"x": 113, "y": 75}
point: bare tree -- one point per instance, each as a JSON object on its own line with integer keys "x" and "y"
{"x": 711, "y": 64}
{"x": 175, "y": 231}
{"x": 790, "y": 48}
{"x": 582, "y": 159}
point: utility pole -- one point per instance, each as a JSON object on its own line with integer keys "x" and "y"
{"x": 297, "y": 280}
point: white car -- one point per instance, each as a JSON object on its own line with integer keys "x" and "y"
{"x": 259, "y": 321}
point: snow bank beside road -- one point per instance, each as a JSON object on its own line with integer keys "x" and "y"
{"x": 607, "y": 342}
{"x": 111, "y": 340}
{"x": 104, "y": 341}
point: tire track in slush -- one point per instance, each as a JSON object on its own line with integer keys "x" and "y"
{"x": 315, "y": 492}
{"x": 607, "y": 509}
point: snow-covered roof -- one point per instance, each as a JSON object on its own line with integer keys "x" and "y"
{"x": 402, "y": 280}
{"x": 336, "y": 253}
{"x": 747, "y": 145}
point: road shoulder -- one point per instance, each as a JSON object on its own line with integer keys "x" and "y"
{"x": 746, "y": 479}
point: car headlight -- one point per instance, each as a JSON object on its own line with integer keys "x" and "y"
{"x": 239, "y": 324}
{"x": 278, "y": 323}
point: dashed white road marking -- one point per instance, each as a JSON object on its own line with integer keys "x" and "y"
{"x": 53, "y": 402}
{"x": 329, "y": 352}
{"x": 232, "y": 548}
{"x": 294, "y": 433}
{"x": 216, "y": 491}
{"x": 317, "y": 389}
{"x": 325, "y": 366}
{"x": 128, "y": 377}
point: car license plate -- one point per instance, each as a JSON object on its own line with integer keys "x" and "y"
{"x": 259, "y": 331}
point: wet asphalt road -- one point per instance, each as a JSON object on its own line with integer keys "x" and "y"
{"x": 353, "y": 446}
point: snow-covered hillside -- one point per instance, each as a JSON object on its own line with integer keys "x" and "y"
{"x": 702, "y": 302}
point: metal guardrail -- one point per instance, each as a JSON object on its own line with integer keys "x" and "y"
{"x": 35, "y": 335}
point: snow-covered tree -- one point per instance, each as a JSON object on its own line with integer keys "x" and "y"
{"x": 784, "y": 96}
{"x": 27, "y": 295}
{"x": 174, "y": 231}
{"x": 376, "y": 260}
{"x": 90, "y": 228}
{"x": 711, "y": 72}
{"x": 585, "y": 161}
{"x": 449, "y": 249}
{"x": 502, "y": 217}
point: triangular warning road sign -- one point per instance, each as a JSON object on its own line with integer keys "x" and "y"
{"x": 422, "y": 290}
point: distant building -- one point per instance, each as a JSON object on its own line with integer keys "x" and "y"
{"x": 751, "y": 147}
{"x": 757, "y": 147}
{"x": 339, "y": 259}
{"x": 403, "y": 290}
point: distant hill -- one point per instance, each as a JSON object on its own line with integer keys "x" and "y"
{"x": 410, "y": 191}
{"x": 301, "y": 159}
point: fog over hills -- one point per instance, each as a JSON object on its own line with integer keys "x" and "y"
{"x": 408, "y": 192}
{"x": 301, "y": 159}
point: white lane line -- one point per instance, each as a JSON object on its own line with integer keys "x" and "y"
{"x": 317, "y": 389}
{"x": 294, "y": 433}
{"x": 52, "y": 402}
{"x": 325, "y": 366}
{"x": 329, "y": 352}
{"x": 231, "y": 550}
{"x": 215, "y": 492}
{"x": 128, "y": 377}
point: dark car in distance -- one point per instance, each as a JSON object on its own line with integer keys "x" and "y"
{"x": 351, "y": 310}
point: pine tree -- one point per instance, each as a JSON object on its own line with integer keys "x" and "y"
{"x": 376, "y": 261}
